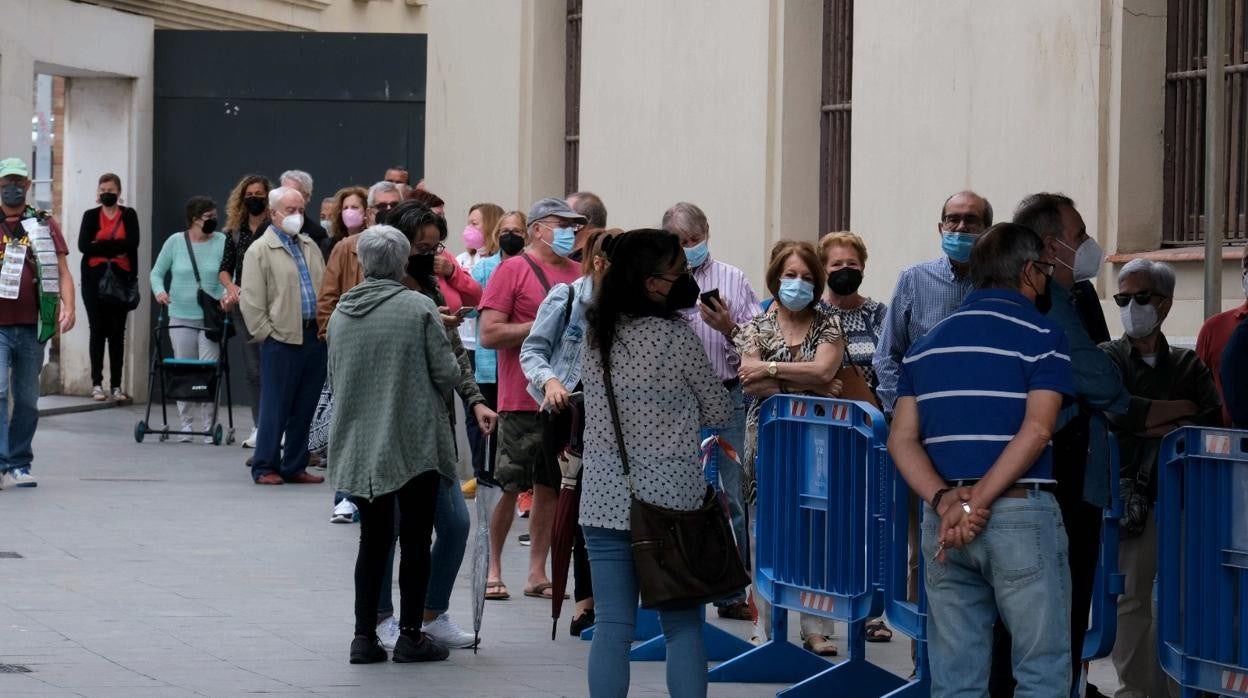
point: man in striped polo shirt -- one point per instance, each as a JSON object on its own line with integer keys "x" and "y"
{"x": 978, "y": 399}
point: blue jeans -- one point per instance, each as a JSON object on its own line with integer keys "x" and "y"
{"x": 291, "y": 377}
{"x": 615, "y": 601}
{"x": 731, "y": 475}
{"x": 21, "y": 359}
{"x": 450, "y": 523}
{"x": 1016, "y": 568}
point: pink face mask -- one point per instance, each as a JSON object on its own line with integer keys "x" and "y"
{"x": 352, "y": 217}
{"x": 474, "y": 239}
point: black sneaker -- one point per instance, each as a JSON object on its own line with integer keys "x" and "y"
{"x": 421, "y": 649}
{"x": 582, "y": 623}
{"x": 367, "y": 650}
{"x": 738, "y": 610}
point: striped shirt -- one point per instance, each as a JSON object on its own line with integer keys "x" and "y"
{"x": 971, "y": 374}
{"x": 307, "y": 292}
{"x": 735, "y": 292}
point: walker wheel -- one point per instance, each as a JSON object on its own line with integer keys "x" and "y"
{"x": 164, "y": 436}
{"x": 218, "y": 435}
{"x": 229, "y": 437}
{"x": 140, "y": 430}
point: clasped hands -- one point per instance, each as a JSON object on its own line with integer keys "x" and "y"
{"x": 961, "y": 520}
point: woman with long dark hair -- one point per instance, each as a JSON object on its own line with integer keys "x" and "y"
{"x": 665, "y": 392}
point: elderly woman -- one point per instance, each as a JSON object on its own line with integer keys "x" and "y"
{"x": 348, "y": 214}
{"x": 844, "y": 257}
{"x": 391, "y": 370}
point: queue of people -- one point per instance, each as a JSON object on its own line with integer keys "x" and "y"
{"x": 553, "y": 329}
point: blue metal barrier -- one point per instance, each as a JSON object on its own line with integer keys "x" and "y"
{"x": 1103, "y": 629}
{"x": 820, "y": 539}
{"x": 1202, "y": 563}
{"x": 905, "y": 615}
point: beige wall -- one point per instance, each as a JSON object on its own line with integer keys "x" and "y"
{"x": 699, "y": 101}
{"x": 494, "y": 111}
{"x": 379, "y": 16}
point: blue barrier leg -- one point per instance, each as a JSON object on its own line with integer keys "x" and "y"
{"x": 853, "y": 678}
{"x": 776, "y": 661}
{"x": 921, "y": 685}
{"x": 587, "y": 634}
{"x": 720, "y": 645}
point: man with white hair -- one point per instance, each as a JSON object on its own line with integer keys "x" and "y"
{"x": 281, "y": 274}
{"x": 1151, "y": 370}
{"x": 382, "y": 197}
{"x": 301, "y": 182}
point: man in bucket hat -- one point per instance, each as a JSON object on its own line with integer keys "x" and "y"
{"x": 36, "y": 299}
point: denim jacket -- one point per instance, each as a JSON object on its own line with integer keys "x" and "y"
{"x": 553, "y": 347}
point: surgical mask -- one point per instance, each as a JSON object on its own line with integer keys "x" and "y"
{"x": 565, "y": 240}
{"x": 254, "y": 204}
{"x": 420, "y": 266}
{"x": 511, "y": 244}
{"x": 683, "y": 293}
{"x": 796, "y": 294}
{"x": 845, "y": 281}
{"x": 1138, "y": 321}
{"x": 352, "y": 217}
{"x": 209, "y": 226}
{"x": 474, "y": 239}
{"x": 697, "y": 254}
{"x": 957, "y": 246}
{"x": 109, "y": 199}
{"x": 12, "y": 195}
{"x": 1088, "y": 259}
{"x": 292, "y": 224}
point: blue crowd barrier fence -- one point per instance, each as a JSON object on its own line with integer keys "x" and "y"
{"x": 1202, "y": 563}
{"x": 820, "y": 537}
{"x": 1103, "y": 628}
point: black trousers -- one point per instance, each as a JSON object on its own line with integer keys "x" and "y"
{"x": 416, "y": 501}
{"x": 1083, "y": 523}
{"x": 483, "y": 456}
{"x": 107, "y": 325}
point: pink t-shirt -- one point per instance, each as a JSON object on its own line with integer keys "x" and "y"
{"x": 515, "y": 291}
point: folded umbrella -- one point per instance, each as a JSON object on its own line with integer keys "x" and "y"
{"x": 563, "y": 530}
{"x": 487, "y": 498}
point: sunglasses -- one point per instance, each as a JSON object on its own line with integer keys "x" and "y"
{"x": 1141, "y": 298}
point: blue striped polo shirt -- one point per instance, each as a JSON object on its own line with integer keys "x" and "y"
{"x": 971, "y": 374}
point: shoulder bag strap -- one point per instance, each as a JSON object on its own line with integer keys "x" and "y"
{"x": 190, "y": 252}
{"x": 615, "y": 422}
{"x": 567, "y": 307}
{"x": 537, "y": 271}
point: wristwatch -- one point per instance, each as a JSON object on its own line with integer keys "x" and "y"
{"x": 771, "y": 369}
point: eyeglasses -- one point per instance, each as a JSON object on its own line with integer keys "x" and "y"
{"x": 687, "y": 271}
{"x": 439, "y": 249}
{"x": 574, "y": 226}
{"x": 382, "y": 208}
{"x": 953, "y": 220}
{"x": 1046, "y": 268}
{"x": 1140, "y": 298}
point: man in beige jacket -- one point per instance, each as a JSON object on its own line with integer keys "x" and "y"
{"x": 282, "y": 272}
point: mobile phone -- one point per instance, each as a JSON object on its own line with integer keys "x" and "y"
{"x": 464, "y": 311}
{"x": 713, "y": 293}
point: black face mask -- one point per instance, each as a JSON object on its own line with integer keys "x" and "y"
{"x": 511, "y": 244}
{"x": 109, "y": 199}
{"x": 209, "y": 226}
{"x": 845, "y": 281}
{"x": 683, "y": 294}
{"x": 254, "y": 204}
{"x": 12, "y": 195}
{"x": 1044, "y": 301}
{"x": 420, "y": 266}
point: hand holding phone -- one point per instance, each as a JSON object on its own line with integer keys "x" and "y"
{"x": 464, "y": 311}
{"x": 706, "y": 297}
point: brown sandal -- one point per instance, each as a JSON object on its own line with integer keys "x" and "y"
{"x": 822, "y": 647}
{"x": 496, "y": 591}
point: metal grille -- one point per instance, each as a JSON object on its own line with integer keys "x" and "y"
{"x": 14, "y": 669}
{"x": 572, "y": 101}
{"x": 834, "y": 122}
{"x": 1186, "y": 59}
{"x": 10, "y": 555}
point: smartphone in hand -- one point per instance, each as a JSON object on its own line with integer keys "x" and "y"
{"x": 713, "y": 293}
{"x": 464, "y": 311}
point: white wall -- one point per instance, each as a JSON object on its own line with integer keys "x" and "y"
{"x": 108, "y": 128}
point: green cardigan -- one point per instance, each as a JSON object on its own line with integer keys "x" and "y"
{"x": 391, "y": 370}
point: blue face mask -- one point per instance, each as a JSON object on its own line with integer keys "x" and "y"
{"x": 565, "y": 240}
{"x": 697, "y": 254}
{"x": 957, "y": 245}
{"x": 796, "y": 294}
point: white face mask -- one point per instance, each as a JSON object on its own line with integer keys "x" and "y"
{"x": 1138, "y": 320}
{"x": 1088, "y": 259}
{"x": 292, "y": 224}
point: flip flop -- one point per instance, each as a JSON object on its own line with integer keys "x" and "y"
{"x": 541, "y": 591}
{"x": 823, "y": 648}
{"x": 878, "y": 632}
{"x": 499, "y": 592}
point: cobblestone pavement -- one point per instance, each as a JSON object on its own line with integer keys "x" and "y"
{"x": 158, "y": 569}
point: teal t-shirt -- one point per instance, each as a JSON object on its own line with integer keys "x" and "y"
{"x": 174, "y": 261}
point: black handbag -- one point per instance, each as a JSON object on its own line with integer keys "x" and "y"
{"x": 682, "y": 559}
{"x": 117, "y": 289}
{"x": 216, "y": 325}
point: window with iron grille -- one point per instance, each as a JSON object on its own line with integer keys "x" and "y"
{"x": 834, "y": 121}
{"x": 572, "y": 100}
{"x": 1186, "y": 58}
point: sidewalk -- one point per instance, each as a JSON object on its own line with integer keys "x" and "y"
{"x": 158, "y": 569}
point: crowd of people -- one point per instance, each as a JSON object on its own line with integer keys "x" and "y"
{"x": 992, "y": 362}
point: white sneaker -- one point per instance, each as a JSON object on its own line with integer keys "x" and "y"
{"x": 20, "y": 477}
{"x": 443, "y": 631}
{"x": 388, "y": 632}
{"x": 97, "y": 393}
{"x": 208, "y": 440}
{"x": 344, "y": 512}
{"x": 250, "y": 441}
